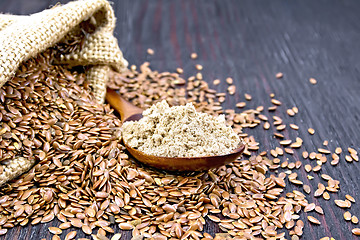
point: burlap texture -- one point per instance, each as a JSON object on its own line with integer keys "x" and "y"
{"x": 23, "y": 37}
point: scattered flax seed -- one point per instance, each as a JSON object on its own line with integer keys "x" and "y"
{"x": 338, "y": 150}
{"x": 290, "y": 112}
{"x": 293, "y": 126}
{"x": 347, "y": 216}
{"x": 247, "y": 97}
{"x": 289, "y": 150}
{"x": 193, "y": 55}
{"x": 229, "y": 80}
{"x": 341, "y": 203}
{"x": 326, "y": 196}
{"x": 180, "y": 70}
{"x": 279, "y": 75}
{"x": 312, "y": 155}
{"x": 198, "y": 67}
{"x": 348, "y": 158}
{"x": 309, "y": 207}
{"x": 352, "y": 151}
{"x": 150, "y": 51}
{"x": 216, "y": 82}
{"x": 313, "y": 81}
{"x": 271, "y": 109}
{"x": 116, "y": 236}
{"x": 295, "y": 109}
{"x": 305, "y": 154}
{"x": 281, "y": 127}
{"x": 55, "y": 230}
{"x": 266, "y": 125}
{"x": 319, "y": 210}
{"x": 272, "y": 95}
{"x": 275, "y": 102}
{"x": 313, "y": 220}
{"x": 285, "y": 142}
{"x": 241, "y": 104}
{"x": 70, "y": 235}
{"x": 324, "y": 151}
{"x": 316, "y": 168}
{"x": 350, "y": 198}
{"x": 326, "y": 142}
{"x": 278, "y": 135}
{"x": 296, "y": 145}
{"x": 311, "y": 131}
{"x": 354, "y": 220}
{"x": 356, "y": 231}
{"x": 231, "y": 89}
{"x": 325, "y": 238}
{"x": 306, "y": 188}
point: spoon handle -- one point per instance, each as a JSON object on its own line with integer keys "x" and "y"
{"x": 123, "y": 107}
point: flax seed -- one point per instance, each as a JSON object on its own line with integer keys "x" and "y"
{"x": 312, "y": 81}
{"x": 279, "y": 75}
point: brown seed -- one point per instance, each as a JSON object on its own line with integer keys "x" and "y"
{"x": 231, "y": 89}
{"x": 313, "y": 81}
{"x": 241, "y": 104}
{"x": 3, "y": 231}
{"x": 55, "y": 230}
{"x": 279, "y": 75}
{"x": 216, "y": 82}
{"x": 354, "y": 220}
{"x": 76, "y": 222}
{"x": 229, "y": 80}
{"x": 313, "y": 220}
{"x": 307, "y": 188}
{"x": 70, "y": 235}
{"x": 180, "y": 70}
{"x": 341, "y": 203}
{"x": 347, "y": 216}
{"x": 338, "y": 150}
{"x": 326, "y": 196}
{"x": 356, "y": 231}
{"x": 193, "y": 56}
{"x": 319, "y": 210}
{"x": 290, "y": 112}
{"x": 350, "y": 198}
{"x": 309, "y": 207}
{"x": 275, "y": 102}
{"x": 56, "y": 237}
{"x": 316, "y": 168}
{"x": 116, "y": 236}
{"x": 86, "y": 229}
{"x": 125, "y": 226}
{"x": 348, "y": 158}
{"x": 65, "y": 225}
{"x": 311, "y": 131}
{"x": 247, "y": 97}
{"x": 150, "y": 51}
{"x": 285, "y": 142}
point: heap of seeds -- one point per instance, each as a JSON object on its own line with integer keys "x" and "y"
{"x": 84, "y": 178}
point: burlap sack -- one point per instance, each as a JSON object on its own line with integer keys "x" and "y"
{"x": 23, "y": 37}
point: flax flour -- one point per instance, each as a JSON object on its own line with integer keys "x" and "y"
{"x": 180, "y": 131}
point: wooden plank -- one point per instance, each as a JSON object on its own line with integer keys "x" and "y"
{"x": 251, "y": 41}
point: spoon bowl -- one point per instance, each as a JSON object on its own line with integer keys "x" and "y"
{"x": 129, "y": 112}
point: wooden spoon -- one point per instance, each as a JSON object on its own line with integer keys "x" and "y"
{"x": 129, "y": 112}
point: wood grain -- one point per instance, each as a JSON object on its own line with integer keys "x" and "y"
{"x": 251, "y": 41}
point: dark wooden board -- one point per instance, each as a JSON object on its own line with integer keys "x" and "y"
{"x": 251, "y": 41}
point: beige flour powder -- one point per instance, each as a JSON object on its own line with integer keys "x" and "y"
{"x": 180, "y": 131}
